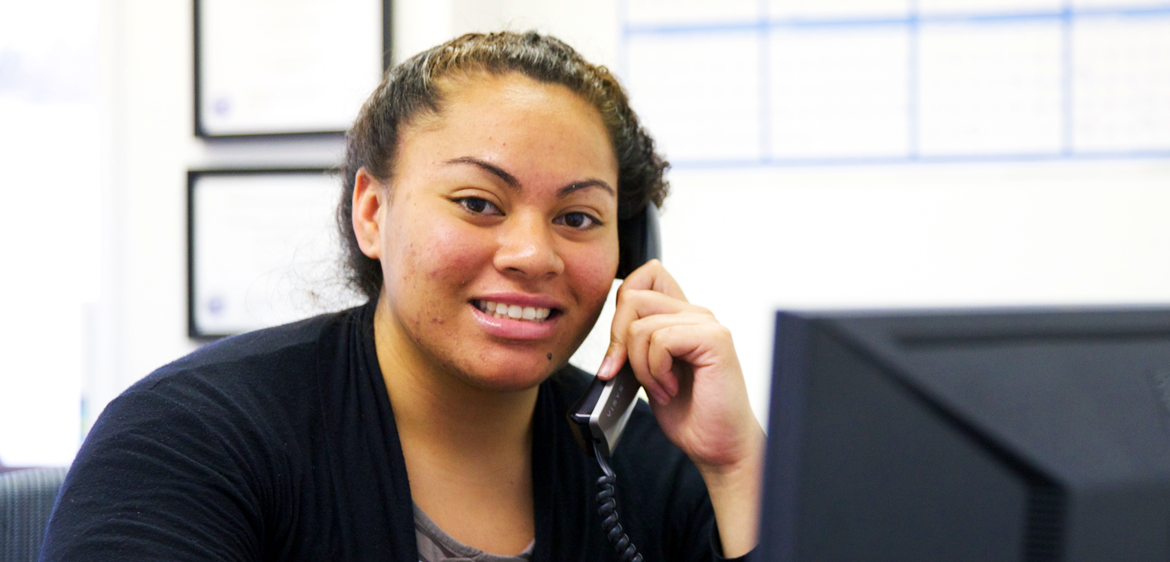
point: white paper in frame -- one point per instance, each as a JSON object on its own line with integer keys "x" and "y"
{"x": 263, "y": 249}
{"x": 270, "y": 67}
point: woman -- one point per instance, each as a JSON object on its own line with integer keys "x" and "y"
{"x": 485, "y": 181}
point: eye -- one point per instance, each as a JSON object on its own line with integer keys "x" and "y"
{"x": 578, "y": 220}
{"x": 479, "y": 206}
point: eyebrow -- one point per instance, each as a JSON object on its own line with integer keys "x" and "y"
{"x": 514, "y": 183}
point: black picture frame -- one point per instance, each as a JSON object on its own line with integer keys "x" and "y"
{"x": 200, "y": 128}
{"x": 194, "y": 330}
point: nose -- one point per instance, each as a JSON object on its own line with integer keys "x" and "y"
{"x": 527, "y": 247}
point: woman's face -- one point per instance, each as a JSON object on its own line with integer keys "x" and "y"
{"x": 499, "y": 241}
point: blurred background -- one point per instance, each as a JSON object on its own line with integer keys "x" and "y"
{"x": 827, "y": 154}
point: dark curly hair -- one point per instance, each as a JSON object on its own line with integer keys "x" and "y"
{"x": 410, "y": 90}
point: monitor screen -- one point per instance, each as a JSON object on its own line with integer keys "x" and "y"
{"x": 1006, "y": 435}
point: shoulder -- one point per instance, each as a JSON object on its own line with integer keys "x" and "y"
{"x": 248, "y": 386}
{"x": 277, "y": 351}
{"x": 280, "y": 363}
{"x": 202, "y": 459}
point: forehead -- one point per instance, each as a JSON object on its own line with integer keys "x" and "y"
{"x": 513, "y": 121}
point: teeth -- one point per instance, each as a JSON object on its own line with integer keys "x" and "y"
{"x": 514, "y": 312}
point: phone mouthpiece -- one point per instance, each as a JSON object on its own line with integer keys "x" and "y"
{"x": 602, "y": 413}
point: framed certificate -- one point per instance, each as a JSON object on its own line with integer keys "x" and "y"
{"x": 262, "y": 249}
{"x": 286, "y": 68}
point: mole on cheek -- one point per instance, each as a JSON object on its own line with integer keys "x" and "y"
{"x": 550, "y": 357}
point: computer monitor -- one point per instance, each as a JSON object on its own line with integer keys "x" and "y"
{"x": 981, "y": 436}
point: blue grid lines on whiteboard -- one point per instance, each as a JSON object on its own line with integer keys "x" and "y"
{"x": 822, "y": 82}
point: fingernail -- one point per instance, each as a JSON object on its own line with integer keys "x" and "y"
{"x": 606, "y": 367}
{"x": 660, "y": 397}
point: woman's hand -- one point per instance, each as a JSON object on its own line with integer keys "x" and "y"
{"x": 686, "y": 361}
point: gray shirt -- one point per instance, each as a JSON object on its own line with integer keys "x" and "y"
{"x": 434, "y": 545}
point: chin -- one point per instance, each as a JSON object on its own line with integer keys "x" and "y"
{"x": 510, "y": 379}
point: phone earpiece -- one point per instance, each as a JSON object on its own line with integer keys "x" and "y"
{"x": 639, "y": 240}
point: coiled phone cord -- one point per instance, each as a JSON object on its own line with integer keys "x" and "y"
{"x": 607, "y": 508}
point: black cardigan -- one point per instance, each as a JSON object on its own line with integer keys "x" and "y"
{"x": 281, "y": 445}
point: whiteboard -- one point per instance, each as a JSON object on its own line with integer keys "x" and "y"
{"x": 803, "y": 82}
{"x": 263, "y": 249}
{"x": 269, "y": 67}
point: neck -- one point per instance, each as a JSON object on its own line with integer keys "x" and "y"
{"x": 445, "y": 414}
{"x": 468, "y": 449}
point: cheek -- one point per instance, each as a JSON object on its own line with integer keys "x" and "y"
{"x": 453, "y": 253}
{"x": 428, "y": 252}
{"x": 594, "y": 272}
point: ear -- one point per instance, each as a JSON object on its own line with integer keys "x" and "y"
{"x": 369, "y": 195}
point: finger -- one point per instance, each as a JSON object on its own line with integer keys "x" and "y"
{"x": 615, "y": 356}
{"x": 632, "y": 305}
{"x": 651, "y": 276}
{"x": 643, "y": 333}
{"x": 661, "y": 365}
{"x": 668, "y": 346}
{"x": 637, "y": 344}
{"x": 699, "y": 345}
{"x": 648, "y": 290}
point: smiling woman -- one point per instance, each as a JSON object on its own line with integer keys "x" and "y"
{"x": 505, "y": 198}
{"x": 486, "y": 184}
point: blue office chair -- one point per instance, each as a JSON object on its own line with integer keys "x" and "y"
{"x": 26, "y": 501}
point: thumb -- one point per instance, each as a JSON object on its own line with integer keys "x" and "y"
{"x": 615, "y": 357}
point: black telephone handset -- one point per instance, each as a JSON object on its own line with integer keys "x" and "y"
{"x": 600, "y": 416}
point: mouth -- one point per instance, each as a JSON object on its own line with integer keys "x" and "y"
{"x": 515, "y": 312}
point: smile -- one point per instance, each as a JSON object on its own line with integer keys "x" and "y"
{"x": 514, "y": 312}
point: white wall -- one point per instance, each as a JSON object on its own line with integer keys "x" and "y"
{"x": 49, "y": 254}
{"x": 147, "y": 100}
{"x": 591, "y": 27}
